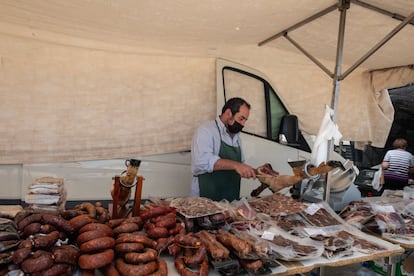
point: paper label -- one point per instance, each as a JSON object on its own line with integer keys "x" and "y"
{"x": 267, "y": 235}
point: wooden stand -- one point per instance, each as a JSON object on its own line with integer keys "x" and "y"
{"x": 123, "y": 211}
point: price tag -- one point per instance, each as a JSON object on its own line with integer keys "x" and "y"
{"x": 312, "y": 209}
{"x": 267, "y": 235}
{"x": 383, "y": 208}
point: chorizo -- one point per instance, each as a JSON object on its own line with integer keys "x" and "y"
{"x": 97, "y": 260}
{"x": 110, "y": 270}
{"x": 177, "y": 229}
{"x": 167, "y": 223}
{"x": 214, "y": 247}
{"x": 174, "y": 249}
{"x": 79, "y": 221}
{"x": 197, "y": 257}
{"x": 27, "y": 243}
{"x": 90, "y": 235}
{"x": 138, "y": 220}
{"x": 31, "y": 229}
{"x": 129, "y": 247}
{"x": 182, "y": 269}
{"x": 148, "y": 255}
{"x": 133, "y": 237}
{"x": 21, "y": 254}
{"x": 126, "y": 227}
{"x": 157, "y": 232}
{"x": 58, "y": 222}
{"x": 67, "y": 254}
{"x": 242, "y": 247}
{"x": 28, "y": 220}
{"x": 115, "y": 222}
{"x": 188, "y": 240}
{"x": 96, "y": 226}
{"x": 47, "y": 228}
{"x": 102, "y": 214}
{"x": 40, "y": 260}
{"x": 162, "y": 268}
{"x": 162, "y": 243}
{"x": 69, "y": 214}
{"x": 164, "y": 217}
{"x": 54, "y": 270}
{"x": 135, "y": 270}
{"x": 155, "y": 212}
{"x": 88, "y": 207}
{"x": 97, "y": 244}
{"x": 90, "y": 272}
{"x": 45, "y": 240}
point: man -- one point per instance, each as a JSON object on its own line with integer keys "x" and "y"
{"x": 216, "y": 154}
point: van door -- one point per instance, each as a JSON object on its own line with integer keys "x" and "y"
{"x": 260, "y": 137}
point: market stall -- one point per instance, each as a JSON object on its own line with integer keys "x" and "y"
{"x": 271, "y": 235}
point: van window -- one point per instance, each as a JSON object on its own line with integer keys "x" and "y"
{"x": 267, "y": 109}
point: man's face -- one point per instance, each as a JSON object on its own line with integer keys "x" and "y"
{"x": 241, "y": 116}
{"x": 236, "y": 122}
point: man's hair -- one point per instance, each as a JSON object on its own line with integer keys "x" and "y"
{"x": 234, "y": 105}
{"x": 399, "y": 143}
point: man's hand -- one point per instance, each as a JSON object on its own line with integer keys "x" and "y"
{"x": 244, "y": 170}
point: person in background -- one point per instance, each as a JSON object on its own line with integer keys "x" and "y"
{"x": 397, "y": 165}
{"x": 217, "y": 160}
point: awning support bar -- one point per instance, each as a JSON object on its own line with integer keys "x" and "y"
{"x": 299, "y": 24}
{"x": 382, "y": 11}
{"x": 326, "y": 70}
{"x": 378, "y": 45}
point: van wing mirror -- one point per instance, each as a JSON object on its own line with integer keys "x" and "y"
{"x": 289, "y": 130}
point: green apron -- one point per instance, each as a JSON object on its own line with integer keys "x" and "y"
{"x": 224, "y": 184}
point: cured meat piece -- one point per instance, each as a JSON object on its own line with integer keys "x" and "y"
{"x": 215, "y": 248}
{"x": 242, "y": 247}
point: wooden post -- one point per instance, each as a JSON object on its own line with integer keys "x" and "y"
{"x": 138, "y": 194}
{"x": 115, "y": 197}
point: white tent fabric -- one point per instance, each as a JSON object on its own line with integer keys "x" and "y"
{"x": 112, "y": 79}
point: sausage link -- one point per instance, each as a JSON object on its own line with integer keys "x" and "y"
{"x": 110, "y": 270}
{"x": 58, "y": 222}
{"x": 66, "y": 254}
{"x": 135, "y": 270}
{"x": 37, "y": 262}
{"x": 126, "y": 247}
{"x": 126, "y": 227}
{"x": 148, "y": 255}
{"x": 97, "y": 260}
{"x": 80, "y": 221}
{"x": 28, "y": 220}
{"x": 155, "y": 212}
{"x": 54, "y": 270}
{"x": 141, "y": 238}
{"x": 162, "y": 268}
{"x": 45, "y": 241}
{"x": 98, "y": 244}
{"x": 90, "y": 235}
{"x": 47, "y": 228}
{"x": 96, "y": 226}
{"x": 167, "y": 223}
{"x": 157, "y": 232}
{"x": 197, "y": 257}
{"x": 21, "y": 254}
{"x": 31, "y": 229}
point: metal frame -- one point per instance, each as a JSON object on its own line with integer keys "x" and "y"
{"x": 337, "y": 76}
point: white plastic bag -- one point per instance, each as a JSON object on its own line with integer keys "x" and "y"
{"x": 376, "y": 182}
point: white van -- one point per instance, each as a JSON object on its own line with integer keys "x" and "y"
{"x": 169, "y": 175}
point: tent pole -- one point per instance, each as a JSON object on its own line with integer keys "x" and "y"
{"x": 343, "y": 7}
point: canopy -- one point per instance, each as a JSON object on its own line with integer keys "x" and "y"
{"x": 103, "y": 79}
